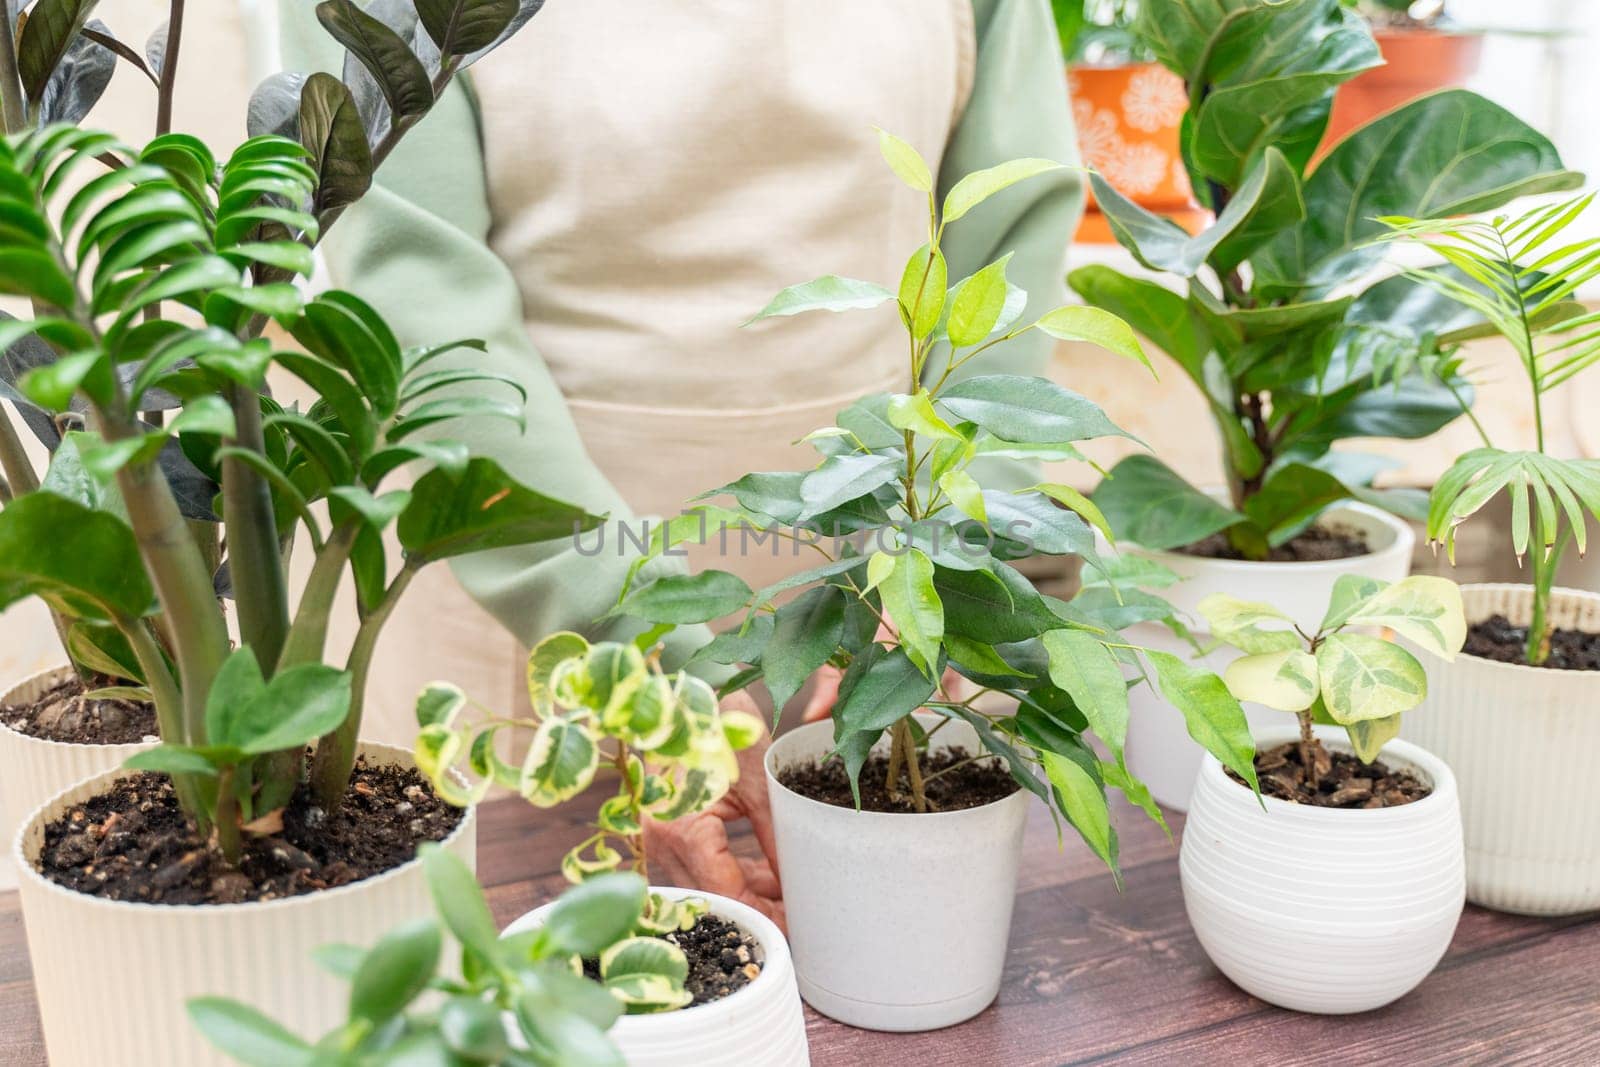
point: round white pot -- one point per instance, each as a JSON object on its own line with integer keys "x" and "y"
{"x": 1323, "y": 909}
{"x": 112, "y": 977}
{"x": 1159, "y": 749}
{"x": 897, "y": 922}
{"x": 1521, "y": 741}
{"x": 32, "y": 769}
{"x": 761, "y": 1025}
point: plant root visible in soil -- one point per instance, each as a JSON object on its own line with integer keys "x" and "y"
{"x": 1341, "y": 780}
{"x": 1316, "y": 545}
{"x": 133, "y": 843}
{"x": 723, "y": 959}
{"x": 63, "y": 714}
{"x": 953, "y": 780}
{"x": 1498, "y": 639}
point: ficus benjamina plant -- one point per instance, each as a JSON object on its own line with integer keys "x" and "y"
{"x": 600, "y": 709}
{"x": 1273, "y": 311}
{"x": 1343, "y": 673}
{"x": 914, "y": 574}
{"x": 102, "y": 237}
{"x": 520, "y": 1001}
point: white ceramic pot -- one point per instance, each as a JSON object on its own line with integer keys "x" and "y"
{"x": 1522, "y": 742}
{"x": 1159, "y": 749}
{"x": 112, "y": 977}
{"x": 1324, "y": 909}
{"x": 761, "y": 1025}
{"x": 897, "y": 922}
{"x": 32, "y": 769}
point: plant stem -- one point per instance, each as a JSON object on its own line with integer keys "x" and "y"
{"x": 228, "y": 839}
{"x": 1308, "y": 750}
{"x": 169, "y": 69}
{"x": 1545, "y": 565}
{"x": 255, "y": 559}
{"x": 15, "y": 111}
{"x": 309, "y": 633}
{"x": 913, "y": 767}
{"x": 14, "y": 462}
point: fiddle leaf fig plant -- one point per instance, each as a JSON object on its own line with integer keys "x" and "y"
{"x": 605, "y": 708}
{"x": 1341, "y": 674}
{"x": 914, "y": 574}
{"x": 1272, "y": 311}
{"x": 523, "y": 1002}
{"x": 1520, "y": 275}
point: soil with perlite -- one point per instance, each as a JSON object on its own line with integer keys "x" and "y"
{"x": 63, "y": 713}
{"x": 1497, "y": 638}
{"x": 133, "y": 843}
{"x": 1319, "y": 544}
{"x": 1340, "y": 780}
{"x": 952, "y": 781}
{"x": 723, "y": 959}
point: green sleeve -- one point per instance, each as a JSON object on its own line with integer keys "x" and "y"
{"x": 1018, "y": 109}
{"x": 416, "y": 249}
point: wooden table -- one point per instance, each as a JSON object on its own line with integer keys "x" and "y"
{"x": 1097, "y": 976}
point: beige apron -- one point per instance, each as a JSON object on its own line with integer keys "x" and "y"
{"x": 657, "y": 172}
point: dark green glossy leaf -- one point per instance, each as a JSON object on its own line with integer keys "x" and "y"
{"x": 1147, "y": 503}
{"x": 396, "y": 971}
{"x": 687, "y": 598}
{"x": 82, "y": 560}
{"x": 804, "y": 635}
{"x": 246, "y": 1035}
{"x": 399, "y": 73}
{"x": 1027, "y": 410}
{"x": 331, "y": 129}
{"x": 481, "y": 508}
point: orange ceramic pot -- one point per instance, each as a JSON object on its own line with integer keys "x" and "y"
{"x": 1128, "y": 119}
{"x": 1416, "y": 62}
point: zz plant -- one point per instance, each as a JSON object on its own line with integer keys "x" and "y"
{"x": 914, "y": 575}
{"x": 1275, "y": 318}
{"x": 604, "y": 708}
{"x": 406, "y": 1008}
{"x": 1341, "y": 674}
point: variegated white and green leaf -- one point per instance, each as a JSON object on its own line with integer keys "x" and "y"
{"x": 1424, "y": 610}
{"x": 1249, "y": 626}
{"x": 1284, "y": 680}
{"x": 560, "y": 763}
{"x": 1366, "y": 678}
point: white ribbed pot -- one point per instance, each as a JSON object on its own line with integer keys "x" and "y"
{"x": 112, "y": 977}
{"x": 32, "y": 769}
{"x": 1324, "y": 910}
{"x": 897, "y": 921}
{"x": 1160, "y": 751}
{"x": 761, "y": 1025}
{"x": 1522, "y": 742}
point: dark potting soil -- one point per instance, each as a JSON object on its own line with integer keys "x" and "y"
{"x": 1316, "y": 545}
{"x": 722, "y": 959}
{"x": 1497, "y": 639}
{"x": 970, "y": 785}
{"x": 63, "y": 714}
{"x": 1342, "y": 780}
{"x": 134, "y": 844}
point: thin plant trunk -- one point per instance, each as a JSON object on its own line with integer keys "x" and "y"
{"x": 903, "y": 752}
{"x": 1308, "y": 750}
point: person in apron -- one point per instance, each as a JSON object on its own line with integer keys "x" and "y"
{"x": 621, "y": 185}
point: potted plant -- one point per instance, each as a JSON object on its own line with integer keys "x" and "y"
{"x": 227, "y": 842}
{"x": 1515, "y": 715}
{"x": 703, "y": 978}
{"x": 558, "y": 1018}
{"x": 916, "y": 790}
{"x": 1126, "y": 108}
{"x": 1278, "y": 323}
{"x": 1339, "y": 889}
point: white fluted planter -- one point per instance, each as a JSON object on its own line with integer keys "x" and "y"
{"x": 1522, "y": 742}
{"x": 33, "y": 769}
{"x": 1323, "y": 909}
{"x": 761, "y": 1025}
{"x": 897, "y": 921}
{"x": 112, "y": 977}
{"x": 1160, "y": 751}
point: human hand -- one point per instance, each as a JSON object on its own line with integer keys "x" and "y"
{"x": 694, "y": 851}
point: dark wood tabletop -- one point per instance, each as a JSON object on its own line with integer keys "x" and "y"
{"x": 1098, "y": 976}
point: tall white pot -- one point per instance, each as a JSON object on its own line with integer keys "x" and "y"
{"x": 761, "y": 1025}
{"x": 32, "y": 769}
{"x": 112, "y": 977}
{"x": 1159, "y": 748}
{"x": 897, "y": 921}
{"x": 1522, "y": 740}
{"x": 1324, "y": 909}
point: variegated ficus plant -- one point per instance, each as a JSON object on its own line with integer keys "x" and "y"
{"x": 604, "y": 708}
{"x": 1344, "y": 673}
{"x": 914, "y": 552}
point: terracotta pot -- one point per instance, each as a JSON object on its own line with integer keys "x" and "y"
{"x": 1416, "y": 62}
{"x": 1127, "y": 120}
{"x": 112, "y": 976}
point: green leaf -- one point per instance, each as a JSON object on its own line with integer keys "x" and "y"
{"x": 459, "y": 900}
{"x": 460, "y": 27}
{"x": 1148, "y": 503}
{"x": 171, "y": 759}
{"x": 915, "y": 412}
{"x": 1083, "y": 802}
{"x": 1422, "y": 609}
{"x": 396, "y": 971}
{"x": 330, "y": 127}
{"x": 246, "y": 1035}
{"x": 804, "y": 635}
{"x": 1094, "y": 326}
{"x": 297, "y": 706}
{"x": 1285, "y": 680}
{"x": 1082, "y": 666}
{"x": 480, "y": 508}
{"x": 1350, "y": 592}
{"x": 965, "y": 493}
{"x": 913, "y": 606}
{"x": 978, "y": 303}
{"x": 1369, "y": 736}
{"x": 399, "y": 73}
{"x": 1249, "y": 626}
{"x": 46, "y": 36}
{"x": 644, "y": 955}
{"x": 841, "y": 479}
{"x": 1027, "y": 410}
{"x": 563, "y": 1038}
{"x": 1368, "y": 678}
{"x": 687, "y": 598}
{"x": 1280, "y": 206}
{"x": 1161, "y": 315}
{"x": 1161, "y": 244}
{"x": 80, "y": 560}
{"x": 996, "y": 607}
{"x": 879, "y": 689}
{"x": 979, "y": 186}
{"x": 906, "y": 162}
{"x": 827, "y": 293}
{"x": 1075, "y": 501}
{"x": 474, "y": 1029}
{"x": 237, "y": 684}
{"x": 439, "y": 703}
{"x": 922, "y": 290}
{"x": 1212, "y": 715}
{"x": 560, "y": 764}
